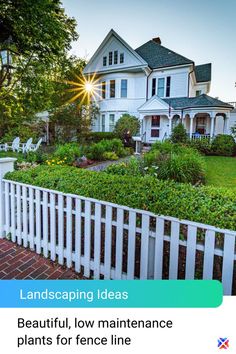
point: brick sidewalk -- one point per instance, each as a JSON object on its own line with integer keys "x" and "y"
{"x": 19, "y": 263}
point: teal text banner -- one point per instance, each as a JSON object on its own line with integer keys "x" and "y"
{"x": 112, "y": 294}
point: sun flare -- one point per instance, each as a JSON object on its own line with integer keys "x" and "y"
{"x": 86, "y": 89}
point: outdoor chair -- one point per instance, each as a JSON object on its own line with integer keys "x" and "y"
{"x": 25, "y": 147}
{"x": 35, "y": 147}
{"x": 14, "y": 146}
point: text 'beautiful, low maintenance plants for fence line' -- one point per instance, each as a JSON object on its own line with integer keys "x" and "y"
{"x": 209, "y": 205}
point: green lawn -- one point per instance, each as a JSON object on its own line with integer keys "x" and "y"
{"x": 221, "y": 171}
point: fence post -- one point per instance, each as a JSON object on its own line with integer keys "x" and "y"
{"x": 6, "y": 165}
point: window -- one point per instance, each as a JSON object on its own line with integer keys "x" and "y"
{"x": 112, "y": 89}
{"x": 124, "y": 88}
{"x": 110, "y": 58}
{"x": 168, "y": 86}
{"x": 154, "y": 83}
{"x": 111, "y": 122}
{"x": 103, "y": 122}
{"x": 155, "y": 129}
{"x": 161, "y": 87}
{"x": 116, "y": 57}
{"x": 198, "y": 93}
{"x": 103, "y": 89}
{"x": 122, "y": 58}
{"x": 104, "y": 61}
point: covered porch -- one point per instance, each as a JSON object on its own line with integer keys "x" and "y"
{"x": 203, "y": 118}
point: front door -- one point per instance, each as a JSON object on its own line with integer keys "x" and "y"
{"x": 201, "y": 125}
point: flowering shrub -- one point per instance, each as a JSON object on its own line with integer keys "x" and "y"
{"x": 25, "y": 165}
{"x": 57, "y": 162}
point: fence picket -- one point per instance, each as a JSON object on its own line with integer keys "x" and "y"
{"x": 159, "y": 247}
{"x": 60, "y": 229}
{"x": 174, "y": 250}
{"x": 69, "y": 232}
{"x": 31, "y": 218}
{"x": 119, "y": 243}
{"x": 97, "y": 241}
{"x": 38, "y": 221}
{"x": 144, "y": 247}
{"x": 7, "y": 209}
{"x": 13, "y": 213}
{"x": 191, "y": 252}
{"x": 18, "y": 211}
{"x": 131, "y": 245}
{"x": 228, "y": 264}
{"x": 108, "y": 238}
{"x": 25, "y": 216}
{"x": 45, "y": 224}
{"x": 52, "y": 227}
{"x": 87, "y": 238}
{"x": 208, "y": 262}
{"x": 77, "y": 235}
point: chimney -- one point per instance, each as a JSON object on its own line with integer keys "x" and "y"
{"x": 157, "y": 40}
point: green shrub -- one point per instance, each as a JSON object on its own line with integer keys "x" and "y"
{"x": 223, "y": 145}
{"x": 179, "y": 134}
{"x": 70, "y": 151}
{"x": 95, "y": 137}
{"x": 209, "y": 205}
{"x": 96, "y": 151}
{"x": 110, "y": 155}
{"x": 202, "y": 145}
{"x": 127, "y": 124}
{"x": 132, "y": 167}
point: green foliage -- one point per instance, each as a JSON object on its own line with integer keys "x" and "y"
{"x": 179, "y": 134}
{"x": 209, "y": 205}
{"x": 131, "y": 168}
{"x": 127, "y": 124}
{"x": 110, "y": 155}
{"x": 96, "y": 151}
{"x": 223, "y": 145}
{"x": 70, "y": 152}
{"x": 95, "y": 137}
{"x": 202, "y": 145}
{"x": 42, "y": 33}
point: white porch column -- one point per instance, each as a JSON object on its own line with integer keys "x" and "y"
{"x": 170, "y": 125}
{"x": 6, "y": 165}
{"x": 226, "y": 124}
{"x": 191, "y": 126}
{"x": 212, "y": 133}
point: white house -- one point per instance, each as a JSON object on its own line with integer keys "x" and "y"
{"x": 158, "y": 86}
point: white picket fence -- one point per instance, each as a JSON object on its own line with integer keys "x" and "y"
{"x": 108, "y": 241}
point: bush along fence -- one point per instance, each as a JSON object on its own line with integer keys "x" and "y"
{"x": 103, "y": 240}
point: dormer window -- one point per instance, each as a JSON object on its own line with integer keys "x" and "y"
{"x": 116, "y": 57}
{"x": 104, "y": 61}
{"x": 110, "y": 58}
{"x": 122, "y": 58}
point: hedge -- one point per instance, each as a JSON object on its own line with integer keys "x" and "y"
{"x": 209, "y": 205}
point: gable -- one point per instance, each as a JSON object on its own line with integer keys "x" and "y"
{"x": 154, "y": 104}
{"x": 114, "y": 43}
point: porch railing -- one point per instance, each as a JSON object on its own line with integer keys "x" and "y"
{"x": 200, "y": 136}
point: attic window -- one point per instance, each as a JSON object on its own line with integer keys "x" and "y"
{"x": 116, "y": 57}
{"x": 104, "y": 61}
{"x": 110, "y": 58}
{"x": 122, "y": 58}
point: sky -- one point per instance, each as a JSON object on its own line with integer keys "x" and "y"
{"x": 201, "y": 30}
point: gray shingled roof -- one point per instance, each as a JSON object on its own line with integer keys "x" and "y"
{"x": 158, "y": 56}
{"x": 203, "y": 72}
{"x": 194, "y": 102}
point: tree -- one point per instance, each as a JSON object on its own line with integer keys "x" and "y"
{"x": 41, "y": 34}
{"x": 179, "y": 134}
{"x": 127, "y": 124}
